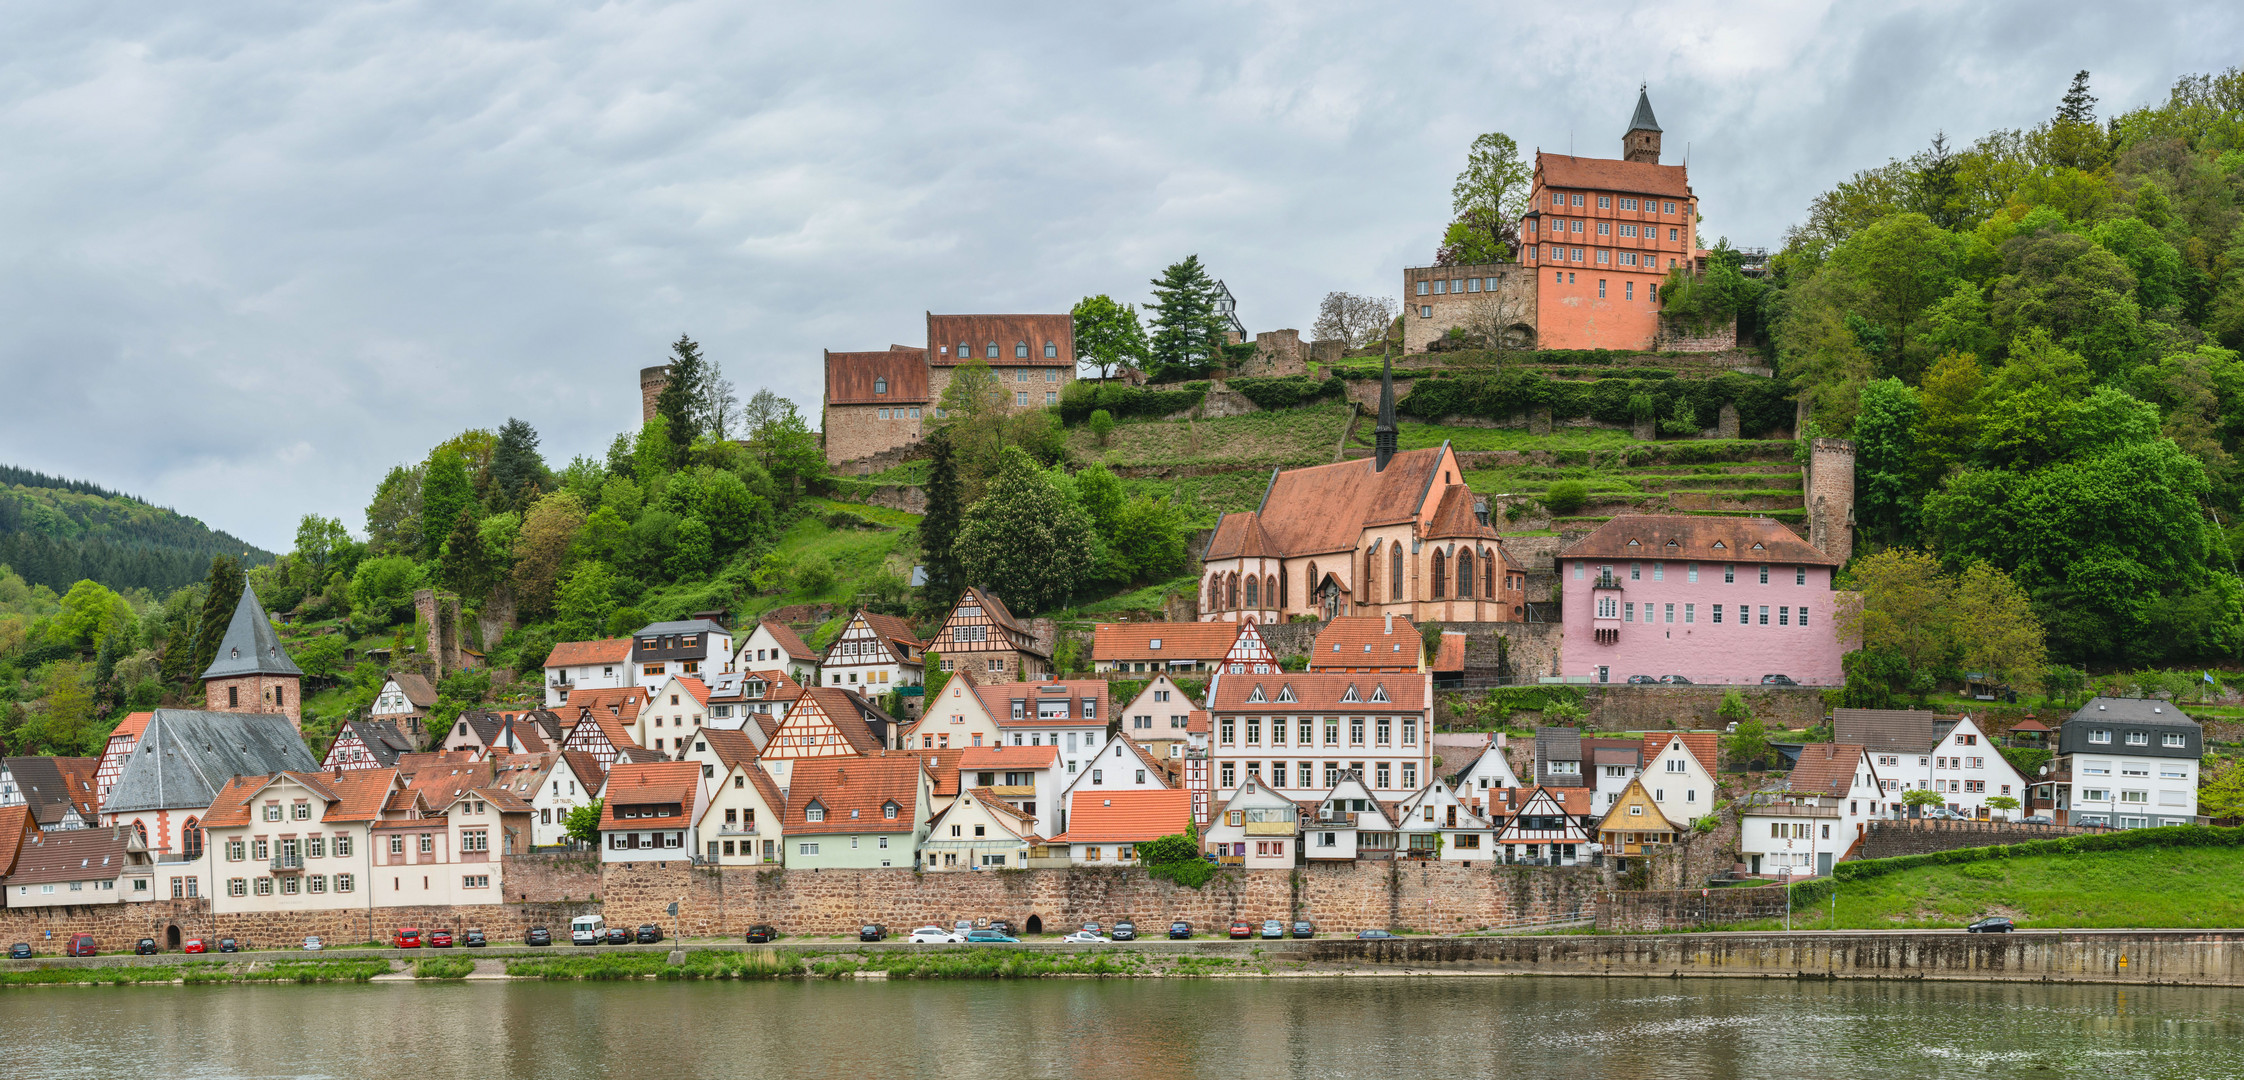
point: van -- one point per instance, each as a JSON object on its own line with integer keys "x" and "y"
{"x": 587, "y": 930}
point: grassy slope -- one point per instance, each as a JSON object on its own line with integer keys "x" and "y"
{"x": 2188, "y": 887}
{"x": 1290, "y": 437}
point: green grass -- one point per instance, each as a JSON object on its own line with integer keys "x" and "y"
{"x": 443, "y": 967}
{"x": 700, "y": 964}
{"x": 867, "y": 541}
{"x": 1202, "y": 499}
{"x": 971, "y": 963}
{"x": 2176, "y": 887}
{"x": 1148, "y": 598}
{"x": 1288, "y": 437}
{"x": 201, "y": 972}
{"x": 1412, "y": 436}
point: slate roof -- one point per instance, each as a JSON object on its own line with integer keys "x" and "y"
{"x": 1891, "y": 731}
{"x": 851, "y": 377}
{"x": 51, "y": 787}
{"x": 582, "y": 653}
{"x": 1692, "y": 537}
{"x": 381, "y": 738}
{"x": 1558, "y": 744}
{"x": 682, "y": 626}
{"x": 185, "y": 755}
{"x": 78, "y": 855}
{"x": 251, "y": 646}
{"x": 1207, "y": 642}
{"x": 1643, "y": 120}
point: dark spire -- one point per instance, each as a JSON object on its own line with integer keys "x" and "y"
{"x": 1383, "y": 436}
{"x": 250, "y": 646}
{"x": 1643, "y": 120}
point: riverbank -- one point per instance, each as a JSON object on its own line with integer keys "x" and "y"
{"x": 2121, "y": 957}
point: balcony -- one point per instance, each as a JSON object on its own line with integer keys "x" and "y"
{"x": 1339, "y": 819}
{"x": 288, "y": 864}
{"x": 1269, "y": 828}
{"x": 1231, "y": 860}
{"x": 733, "y": 829}
{"x": 1605, "y": 581}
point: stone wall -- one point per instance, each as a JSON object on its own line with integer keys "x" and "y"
{"x": 117, "y": 925}
{"x": 1621, "y": 707}
{"x": 1532, "y": 648}
{"x": 1827, "y": 486}
{"x": 856, "y": 433}
{"x": 651, "y": 382}
{"x": 1277, "y": 353}
{"x": 1653, "y": 910}
{"x": 1676, "y": 337}
{"x": 1509, "y": 303}
{"x": 1884, "y": 839}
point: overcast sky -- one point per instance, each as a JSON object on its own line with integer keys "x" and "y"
{"x": 252, "y": 255}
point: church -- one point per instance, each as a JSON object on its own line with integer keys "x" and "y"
{"x": 1398, "y": 533}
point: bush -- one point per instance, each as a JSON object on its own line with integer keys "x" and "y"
{"x": 1124, "y": 402}
{"x": 1763, "y": 405}
{"x": 1287, "y": 392}
{"x": 1102, "y": 424}
{"x": 1566, "y": 496}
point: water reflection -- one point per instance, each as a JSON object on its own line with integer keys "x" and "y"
{"x": 1315, "y": 1029}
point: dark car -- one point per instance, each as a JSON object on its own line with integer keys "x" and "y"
{"x": 1992, "y": 925}
{"x": 1777, "y": 680}
{"x": 1642, "y": 679}
{"x": 1180, "y": 930}
{"x": 618, "y": 936}
{"x": 1675, "y": 680}
{"x": 20, "y": 951}
{"x": 537, "y": 935}
{"x": 1125, "y": 931}
{"x": 440, "y": 939}
{"x": 872, "y": 932}
{"x": 761, "y": 933}
{"x": 1241, "y": 929}
{"x": 649, "y": 934}
{"x": 81, "y": 945}
{"x": 473, "y": 939}
{"x": 1005, "y": 926}
{"x": 227, "y": 944}
{"x": 1304, "y": 928}
{"x": 1372, "y": 935}
{"x": 144, "y": 947}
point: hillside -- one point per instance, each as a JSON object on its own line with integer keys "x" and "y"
{"x": 55, "y": 532}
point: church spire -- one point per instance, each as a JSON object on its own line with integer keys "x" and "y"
{"x": 1383, "y": 437}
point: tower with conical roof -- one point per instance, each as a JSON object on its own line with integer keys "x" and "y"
{"x": 1383, "y": 437}
{"x": 1642, "y": 143}
{"x": 252, "y": 673}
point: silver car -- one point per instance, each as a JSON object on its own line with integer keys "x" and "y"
{"x": 313, "y": 944}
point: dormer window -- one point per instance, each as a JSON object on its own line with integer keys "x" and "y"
{"x": 1720, "y": 546}
{"x": 1350, "y": 695}
{"x": 1020, "y": 350}
{"x": 814, "y": 812}
{"x": 880, "y": 385}
{"x": 1633, "y": 543}
{"x": 1285, "y": 693}
{"x": 1051, "y": 350}
{"x": 993, "y": 350}
{"x": 1255, "y": 695}
{"x": 888, "y": 810}
{"x": 1379, "y": 693}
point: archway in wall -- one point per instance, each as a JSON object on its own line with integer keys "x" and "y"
{"x": 171, "y": 937}
{"x": 1035, "y": 924}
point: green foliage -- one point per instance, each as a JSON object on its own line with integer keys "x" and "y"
{"x": 222, "y": 591}
{"x": 1921, "y": 797}
{"x": 1026, "y": 537}
{"x": 679, "y": 404}
{"x": 938, "y": 531}
{"x": 1187, "y": 333}
{"x": 1763, "y": 405}
{"x": 1108, "y": 335}
{"x": 55, "y": 532}
{"x": 1101, "y": 424}
{"x": 1124, "y": 402}
{"x": 443, "y": 967}
{"x": 1287, "y": 392}
{"x": 583, "y": 824}
{"x": 1566, "y": 496}
{"x": 382, "y": 588}
{"x": 446, "y": 493}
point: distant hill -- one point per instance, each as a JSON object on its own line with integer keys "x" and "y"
{"x": 55, "y": 532}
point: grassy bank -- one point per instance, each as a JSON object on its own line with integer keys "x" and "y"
{"x": 308, "y": 971}
{"x": 700, "y": 964}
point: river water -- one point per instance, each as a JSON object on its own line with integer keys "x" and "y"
{"x": 1237, "y": 1029}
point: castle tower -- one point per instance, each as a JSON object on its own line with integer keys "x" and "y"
{"x": 1384, "y": 436}
{"x": 1829, "y": 487}
{"x": 1642, "y": 143}
{"x": 251, "y": 673}
{"x": 653, "y": 379}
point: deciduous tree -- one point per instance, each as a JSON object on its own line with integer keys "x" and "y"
{"x": 1025, "y": 538}
{"x": 1355, "y": 320}
{"x": 1108, "y": 335}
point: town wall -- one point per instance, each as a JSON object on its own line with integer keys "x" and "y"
{"x": 1277, "y": 353}
{"x": 1621, "y": 707}
{"x": 1652, "y": 910}
{"x": 119, "y": 925}
{"x": 1920, "y": 836}
{"x": 855, "y": 433}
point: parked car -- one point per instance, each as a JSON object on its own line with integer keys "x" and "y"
{"x": 20, "y": 951}
{"x": 1304, "y": 928}
{"x": 2037, "y": 819}
{"x": 440, "y": 939}
{"x": 314, "y": 944}
{"x": 1125, "y": 931}
{"x": 963, "y": 927}
{"x": 227, "y": 944}
{"x": 1092, "y": 928}
{"x": 1180, "y": 930}
{"x": 81, "y": 945}
{"x": 406, "y": 937}
{"x": 1241, "y": 929}
{"x": 925, "y": 935}
{"x": 1639, "y": 680}
{"x": 1085, "y": 937}
{"x": 474, "y": 939}
{"x": 1372, "y": 935}
{"x": 144, "y": 947}
{"x": 587, "y": 930}
{"x": 991, "y": 937}
{"x": 762, "y": 932}
{"x": 1005, "y": 926}
{"x": 1777, "y": 680}
{"x": 649, "y": 934}
{"x": 872, "y": 932}
{"x": 194, "y": 945}
{"x": 1675, "y": 680}
{"x": 618, "y": 936}
{"x": 1942, "y": 813}
{"x": 537, "y": 935}
{"x": 1993, "y": 924}
{"x": 1272, "y": 928}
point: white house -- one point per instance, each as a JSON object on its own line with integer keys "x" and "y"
{"x": 1679, "y": 772}
{"x": 1490, "y": 772}
{"x": 688, "y": 647}
{"x": 1069, "y": 714}
{"x": 1817, "y": 818}
{"x": 81, "y": 867}
{"x": 549, "y": 784}
{"x": 978, "y": 831}
{"x": 741, "y": 826}
{"x": 1349, "y": 824}
{"x": 1160, "y": 717}
{"x": 1027, "y": 778}
{"x": 405, "y": 698}
{"x": 1919, "y": 751}
{"x": 1549, "y": 828}
{"x": 774, "y": 646}
{"x": 586, "y": 665}
{"x": 2123, "y": 762}
{"x": 1257, "y": 828}
{"x": 1122, "y": 765}
{"x": 1297, "y": 731}
{"x": 1437, "y": 824}
{"x": 674, "y": 713}
{"x": 1106, "y": 827}
{"x": 874, "y": 654}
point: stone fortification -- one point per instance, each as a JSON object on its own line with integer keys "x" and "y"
{"x": 1884, "y": 839}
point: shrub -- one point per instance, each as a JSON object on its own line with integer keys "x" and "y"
{"x": 1566, "y": 496}
{"x": 1102, "y": 424}
{"x": 1763, "y": 405}
{"x": 1286, "y": 392}
{"x": 1081, "y": 399}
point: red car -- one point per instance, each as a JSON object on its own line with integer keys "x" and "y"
{"x": 81, "y": 945}
{"x": 194, "y": 944}
{"x": 1241, "y": 928}
{"x": 440, "y": 939}
{"x": 406, "y": 937}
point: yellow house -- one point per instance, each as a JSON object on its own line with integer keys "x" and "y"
{"x": 1634, "y": 825}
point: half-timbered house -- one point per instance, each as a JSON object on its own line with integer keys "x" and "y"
{"x": 984, "y": 638}
{"x": 874, "y": 654}
{"x": 1548, "y": 828}
{"x": 366, "y": 744}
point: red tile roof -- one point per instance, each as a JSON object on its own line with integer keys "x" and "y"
{"x": 94, "y": 854}
{"x": 945, "y": 332}
{"x": 789, "y": 641}
{"x": 135, "y": 723}
{"x": 997, "y": 700}
{"x": 1406, "y": 692}
{"x": 658, "y": 783}
{"x": 1826, "y": 768}
{"x": 1206, "y": 642}
{"x": 14, "y": 822}
{"x": 1452, "y": 654}
{"x": 852, "y": 378}
{"x": 1609, "y": 174}
{"x": 842, "y": 712}
{"x": 1690, "y": 536}
{"x": 731, "y": 747}
{"x": 1108, "y": 817}
{"x": 1325, "y": 508}
{"x": 586, "y": 769}
{"x": 1008, "y": 757}
{"x": 1020, "y": 824}
{"x": 943, "y": 767}
{"x": 1454, "y": 517}
{"x": 1362, "y": 641}
{"x": 1703, "y": 745}
{"x": 859, "y": 785}
{"x": 580, "y": 653}
{"x": 892, "y": 628}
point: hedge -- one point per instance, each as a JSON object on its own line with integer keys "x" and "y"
{"x": 1125, "y": 402}
{"x": 1286, "y": 392}
{"x": 2122, "y": 840}
{"x": 1762, "y": 404}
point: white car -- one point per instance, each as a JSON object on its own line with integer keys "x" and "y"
{"x": 935, "y": 935}
{"x": 1085, "y": 937}
{"x": 313, "y": 944}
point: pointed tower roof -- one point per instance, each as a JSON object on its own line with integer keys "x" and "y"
{"x": 251, "y": 647}
{"x": 1643, "y": 120}
{"x": 1384, "y": 437}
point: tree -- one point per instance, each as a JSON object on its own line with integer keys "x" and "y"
{"x": 222, "y": 590}
{"x": 680, "y": 402}
{"x": 2079, "y": 106}
{"x": 938, "y": 529}
{"x": 2002, "y": 802}
{"x": 583, "y": 824}
{"x": 1353, "y": 320}
{"x": 1889, "y": 472}
{"x": 1188, "y": 335}
{"x": 971, "y": 413}
{"x": 1995, "y": 628}
{"x": 1025, "y": 537}
{"x": 1918, "y": 797}
{"x": 1748, "y": 742}
{"x": 393, "y": 518}
{"x": 1101, "y": 425}
{"x": 518, "y": 474}
{"x": 585, "y": 601}
{"x": 464, "y": 565}
{"x": 382, "y": 588}
{"x": 322, "y": 544}
{"x": 762, "y": 409}
{"x": 1495, "y": 179}
{"x": 446, "y": 493}
{"x": 542, "y": 548}
{"x": 1477, "y": 237}
{"x": 1905, "y": 265}
{"x": 1899, "y": 603}
{"x": 1108, "y": 335}
{"x": 719, "y": 405}
{"x": 787, "y": 449}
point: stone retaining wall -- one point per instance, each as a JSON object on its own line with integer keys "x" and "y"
{"x": 1620, "y": 707}
{"x": 1885, "y": 839}
{"x": 119, "y": 925}
{"x": 1652, "y": 910}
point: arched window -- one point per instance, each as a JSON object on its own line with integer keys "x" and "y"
{"x": 1233, "y": 589}
{"x": 1314, "y": 582}
{"x": 1282, "y": 590}
{"x": 880, "y": 385}
{"x": 1441, "y": 580}
{"x": 1366, "y": 591}
{"x": 1270, "y": 590}
{"x": 1215, "y": 592}
{"x": 1465, "y": 574}
{"x": 1488, "y": 573}
{"x": 1395, "y": 572}
{"x": 191, "y": 839}
{"x": 1254, "y": 591}
{"x": 140, "y": 829}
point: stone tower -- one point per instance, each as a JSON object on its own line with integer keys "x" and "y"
{"x": 1642, "y": 143}
{"x": 653, "y": 379}
{"x": 251, "y": 673}
{"x": 1829, "y": 487}
{"x": 1384, "y": 436}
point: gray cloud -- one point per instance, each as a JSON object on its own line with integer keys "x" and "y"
{"x": 254, "y": 256}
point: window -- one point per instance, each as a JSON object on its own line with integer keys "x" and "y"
{"x": 397, "y": 845}
{"x": 1604, "y": 202}
{"x": 272, "y": 812}
{"x": 237, "y": 886}
{"x": 1667, "y": 613}
{"x": 1764, "y": 614}
{"x": 260, "y": 849}
{"x": 1690, "y": 613}
{"x": 1764, "y": 574}
{"x": 1628, "y": 288}
{"x": 236, "y": 850}
{"x": 1601, "y": 281}
{"x": 1717, "y": 613}
{"x": 1604, "y": 228}
{"x": 1422, "y": 287}
{"x": 2138, "y": 738}
{"x": 2099, "y": 736}
{"x": 2172, "y": 739}
{"x": 428, "y": 843}
{"x": 342, "y": 847}
{"x": 264, "y": 886}
{"x": 1729, "y": 574}
{"x": 806, "y": 849}
{"x": 1577, "y": 202}
{"x": 1784, "y": 616}
{"x": 992, "y": 349}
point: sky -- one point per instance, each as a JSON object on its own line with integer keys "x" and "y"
{"x": 252, "y": 255}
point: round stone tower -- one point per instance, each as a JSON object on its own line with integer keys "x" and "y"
{"x": 651, "y": 382}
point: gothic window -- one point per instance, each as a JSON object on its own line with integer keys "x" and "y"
{"x": 1215, "y": 591}
{"x": 1465, "y": 574}
{"x": 140, "y": 830}
{"x": 1395, "y": 572}
{"x": 1282, "y": 588}
{"x": 1441, "y": 579}
{"x": 1314, "y": 582}
{"x": 1233, "y": 590}
{"x": 1270, "y": 591}
{"x": 1371, "y": 560}
{"x": 1254, "y": 591}
{"x": 1488, "y": 574}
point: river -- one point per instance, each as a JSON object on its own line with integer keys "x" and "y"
{"x": 1237, "y": 1029}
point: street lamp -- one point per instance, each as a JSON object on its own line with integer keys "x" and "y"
{"x": 1784, "y": 881}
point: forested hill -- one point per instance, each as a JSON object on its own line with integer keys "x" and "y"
{"x": 54, "y": 532}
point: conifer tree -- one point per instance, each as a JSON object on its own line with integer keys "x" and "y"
{"x": 1188, "y": 335}
{"x": 680, "y": 401}
{"x": 938, "y": 527}
{"x": 223, "y": 590}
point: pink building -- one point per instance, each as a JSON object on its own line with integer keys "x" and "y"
{"x": 1712, "y": 599}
